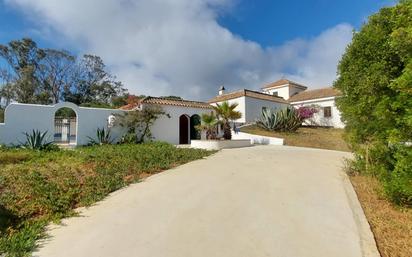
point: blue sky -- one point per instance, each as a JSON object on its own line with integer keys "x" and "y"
{"x": 268, "y": 22}
{"x": 190, "y": 47}
{"x": 272, "y": 22}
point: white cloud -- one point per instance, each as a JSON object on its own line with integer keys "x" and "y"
{"x": 176, "y": 47}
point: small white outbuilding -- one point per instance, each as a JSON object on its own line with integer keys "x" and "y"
{"x": 183, "y": 117}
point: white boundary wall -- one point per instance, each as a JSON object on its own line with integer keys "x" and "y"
{"x": 220, "y": 144}
{"x": 256, "y": 139}
{"x": 21, "y": 118}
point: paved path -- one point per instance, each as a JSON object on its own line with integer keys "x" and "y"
{"x": 251, "y": 202}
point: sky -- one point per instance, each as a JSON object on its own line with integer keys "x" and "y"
{"x": 190, "y": 48}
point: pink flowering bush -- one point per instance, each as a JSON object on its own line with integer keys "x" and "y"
{"x": 306, "y": 112}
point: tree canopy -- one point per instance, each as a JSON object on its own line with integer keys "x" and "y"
{"x": 375, "y": 77}
{"x": 45, "y": 76}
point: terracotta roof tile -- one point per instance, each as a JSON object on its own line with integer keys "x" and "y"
{"x": 165, "y": 101}
{"x": 315, "y": 94}
{"x": 283, "y": 82}
{"x": 249, "y": 93}
{"x": 129, "y": 107}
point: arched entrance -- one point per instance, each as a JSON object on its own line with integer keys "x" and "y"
{"x": 184, "y": 121}
{"x": 65, "y": 126}
{"x": 194, "y": 121}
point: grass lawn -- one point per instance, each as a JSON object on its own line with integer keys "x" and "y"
{"x": 39, "y": 187}
{"x": 391, "y": 225}
{"x": 324, "y": 138}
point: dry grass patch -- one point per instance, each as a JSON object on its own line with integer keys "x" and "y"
{"x": 324, "y": 138}
{"x": 391, "y": 225}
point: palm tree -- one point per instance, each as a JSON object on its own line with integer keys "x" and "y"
{"x": 209, "y": 123}
{"x": 226, "y": 113}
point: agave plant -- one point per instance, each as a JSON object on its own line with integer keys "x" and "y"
{"x": 287, "y": 119}
{"x": 209, "y": 123}
{"x": 103, "y": 137}
{"x": 36, "y": 140}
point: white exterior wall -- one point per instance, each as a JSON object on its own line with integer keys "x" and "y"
{"x": 282, "y": 91}
{"x": 167, "y": 129}
{"x": 318, "y": 118}
{"x": 285, "y": 91}
{"x": 251, "y": 108}
{"x": 254, "y": 107}
{"x": 21, "y": 118}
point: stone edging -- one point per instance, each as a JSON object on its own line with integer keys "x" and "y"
{"x": 367, "y": 239}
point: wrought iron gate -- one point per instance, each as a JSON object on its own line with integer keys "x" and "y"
{"x": 64, "y": 130}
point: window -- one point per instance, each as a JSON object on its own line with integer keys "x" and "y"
{"x": 327, "y": 112}
{"x": 275, "y": 93}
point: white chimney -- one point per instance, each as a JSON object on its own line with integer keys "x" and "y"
{"x": 221, "y": 90}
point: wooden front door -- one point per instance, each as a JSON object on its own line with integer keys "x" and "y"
{"x": 183, "y": 130}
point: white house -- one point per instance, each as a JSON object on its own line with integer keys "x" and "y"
{"x": 250, "y": 103}
{"x": 178, "y": 127}
{"x": 184, "y": 116}
{"x": 298, "y": 95}
{"x": 283, "y": 88}
{"x": 283, "y": 93}
{"x": 324, "y": 99}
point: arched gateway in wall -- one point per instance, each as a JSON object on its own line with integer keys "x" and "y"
{"x": 65, "y": 123}
{"x": 65, "y": 126}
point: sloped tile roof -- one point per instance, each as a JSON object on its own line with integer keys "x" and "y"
{"x": 283, "y": 82}
{"x": 166, "y": 101}
{"x": 129, "y": 107}
{"x": 249, "y": 93}
{"x": 315, "y": 94}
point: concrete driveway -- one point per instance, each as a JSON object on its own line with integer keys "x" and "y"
{"x": 258, "y": 201}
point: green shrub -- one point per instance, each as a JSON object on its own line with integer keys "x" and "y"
{"x": 138, "y": 123}
{"x": 38, "y": 187}
{"x": 398, "y": 183}
{"x": 37, "y": 140}
{"x": 375, "y": 77}
{"x": 103, "y": 137}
